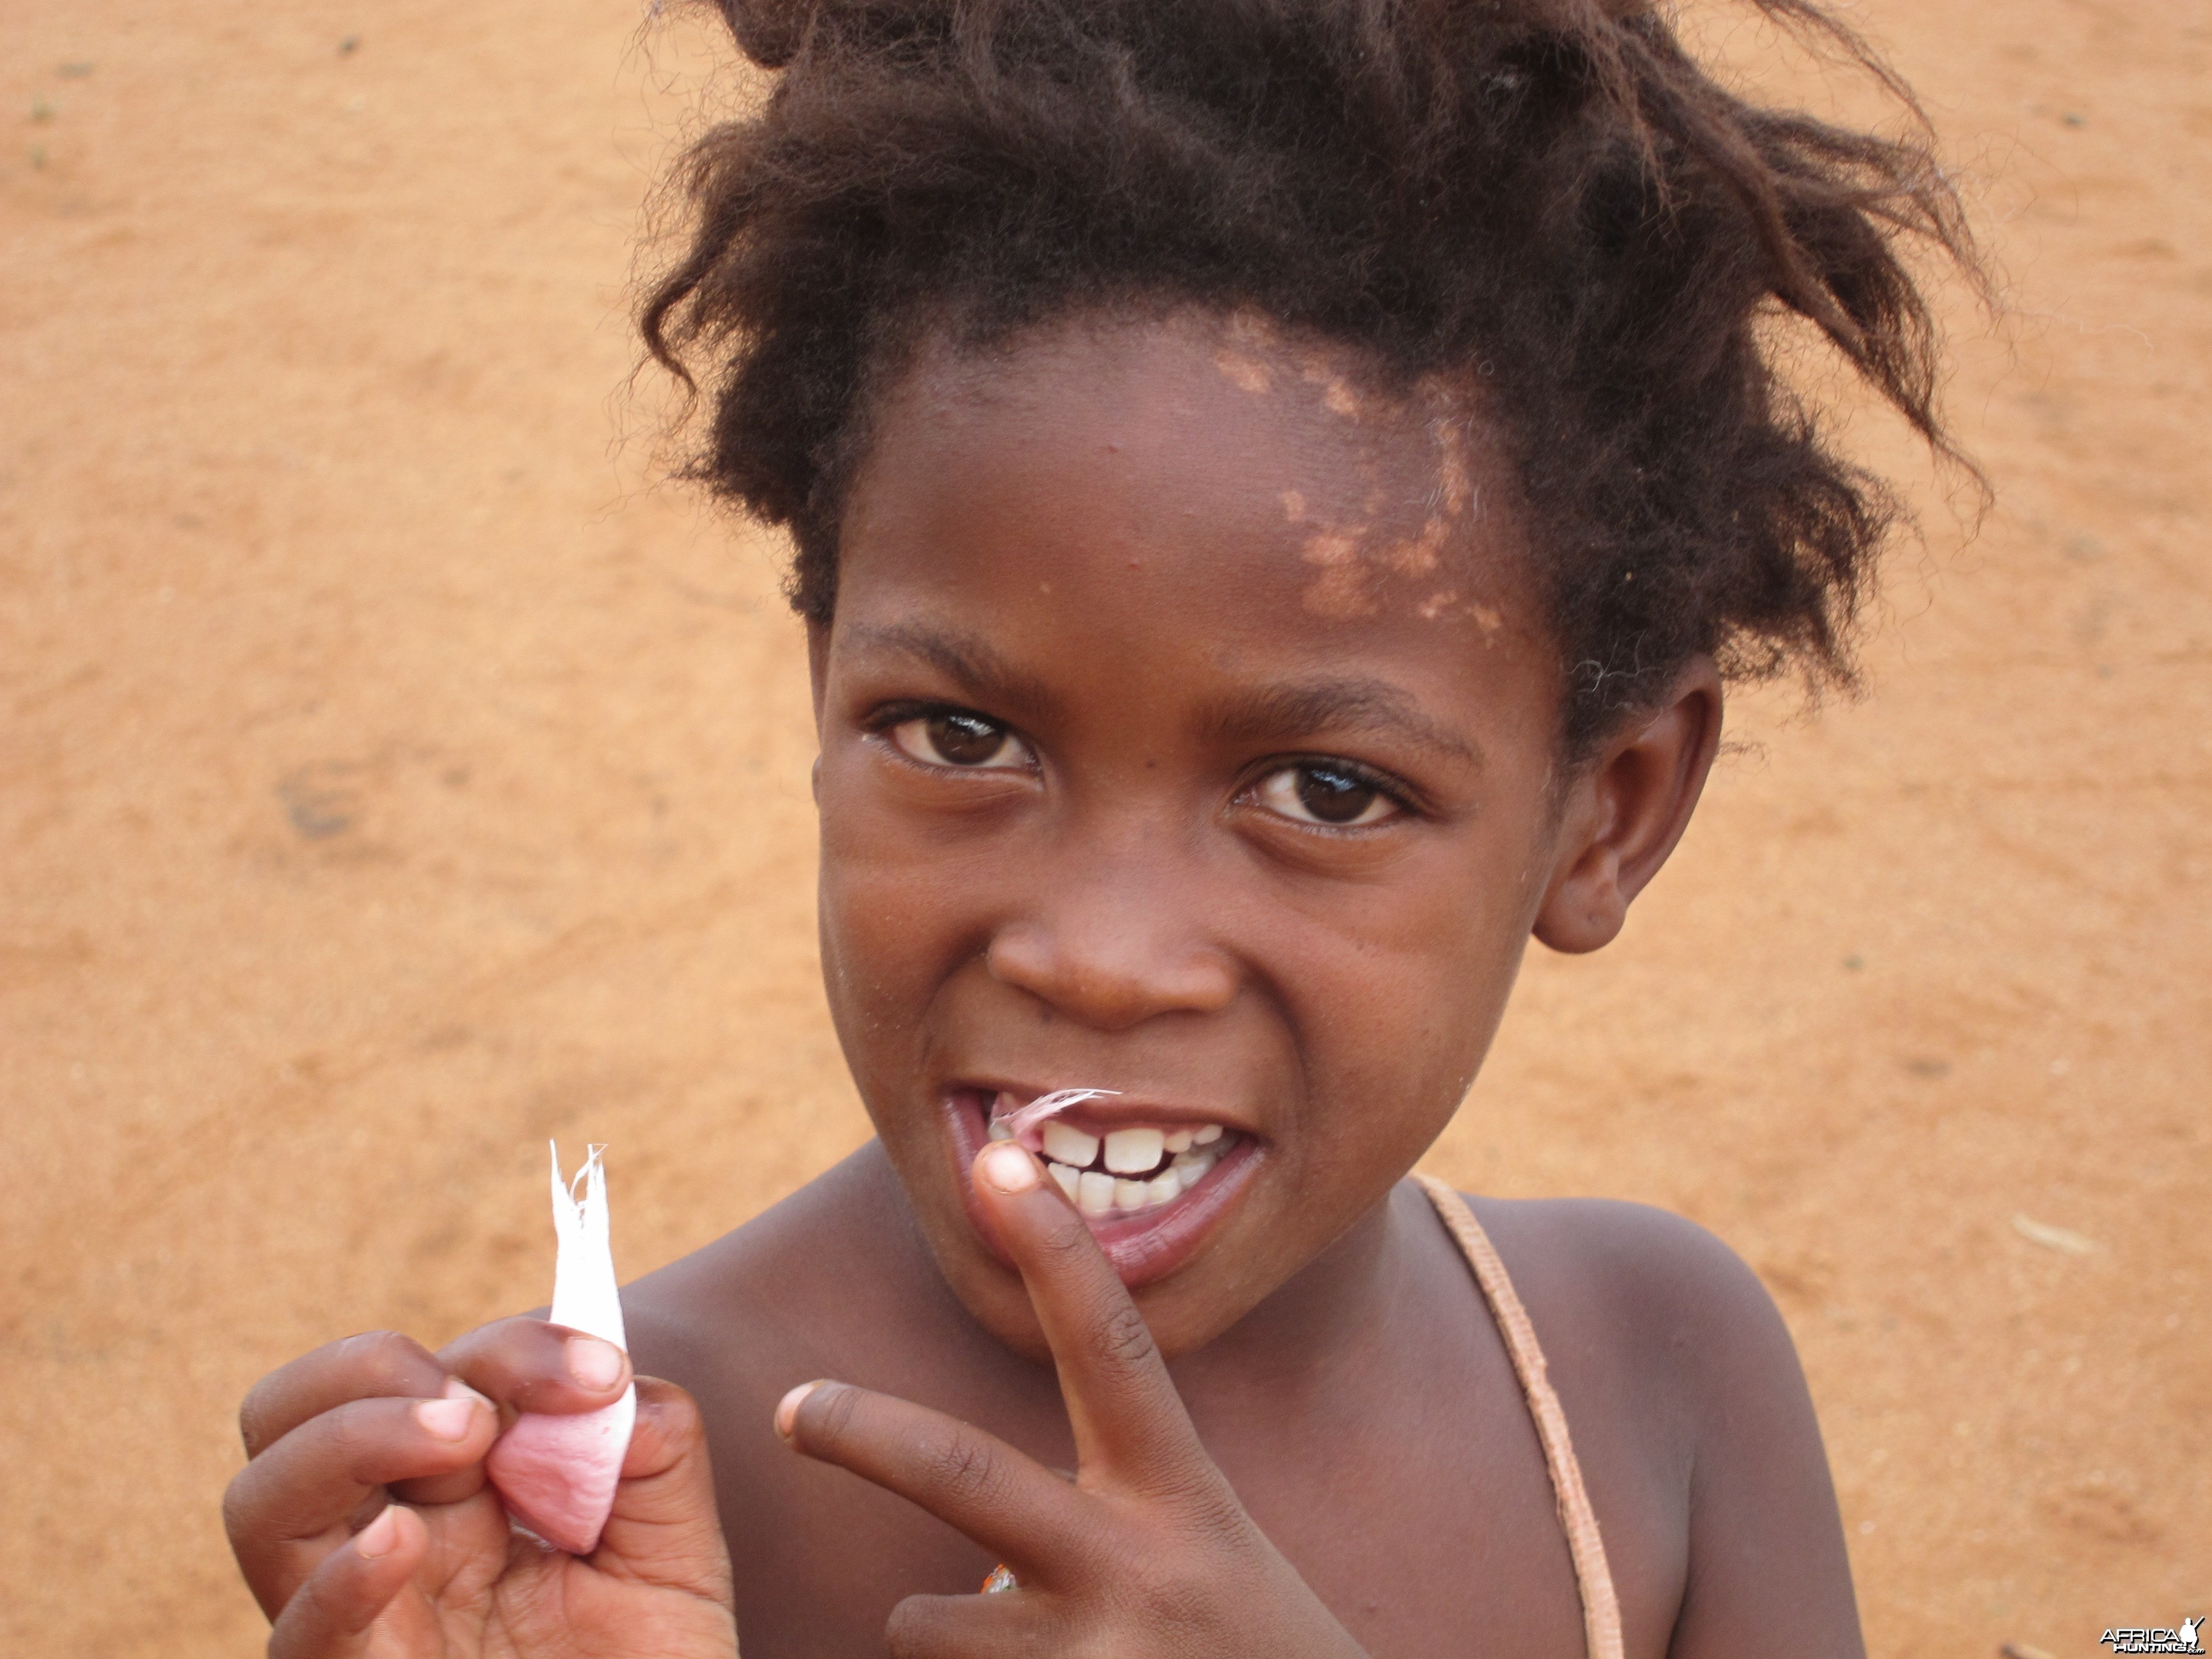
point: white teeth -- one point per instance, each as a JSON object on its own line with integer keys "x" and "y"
{"x": 1094, "y": 1193}
{"x": 1130, "y": 1155}
{"x": 1000, "y": 1130}
{"x": 1193, "y": 1165}
{"x": 1066, "y": 1144}
{"x": 1130, "y": 1150}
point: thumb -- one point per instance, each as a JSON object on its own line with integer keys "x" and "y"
{"x": 333, "y": 1615}
{"x": 664, "y": 1529}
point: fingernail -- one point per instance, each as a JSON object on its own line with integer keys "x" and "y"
{"x": 1009, "y": 1168}
{"x": 786, "y": 1409}
{"x": 593, "y": 1364}
{"x": 445, "y": 1419}
{"x": 377, "y": 1537}
{"x": 456, "y": 1389}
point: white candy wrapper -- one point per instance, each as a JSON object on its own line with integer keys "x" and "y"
{"x": 1026, "y": 1123}
{"x": 557, "y": 1474}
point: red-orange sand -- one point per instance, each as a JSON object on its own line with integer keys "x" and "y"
{"x": 390, "y": 778}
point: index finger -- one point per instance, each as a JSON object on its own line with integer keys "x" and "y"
{"x": 373, "y": 1364}
{"x": 1128, "y": 1417}
{"x": 970, "y": 1479}
{"x": 535, "y": 1366}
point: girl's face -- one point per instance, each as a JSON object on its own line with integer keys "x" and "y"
{"x": 1187, "y": 729}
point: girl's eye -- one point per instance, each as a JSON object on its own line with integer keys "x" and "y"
{"x": 953, "y": 737}
{"x": 1315, "y": 792}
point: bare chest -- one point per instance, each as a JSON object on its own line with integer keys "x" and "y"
{"x": 1428, "y": 1524}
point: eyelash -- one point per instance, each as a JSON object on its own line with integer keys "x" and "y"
{"x": 1367, "y": 777}
{"x": 883, "y": 721}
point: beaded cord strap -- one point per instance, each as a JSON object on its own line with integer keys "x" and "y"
{"x": 1592, "y": 1578}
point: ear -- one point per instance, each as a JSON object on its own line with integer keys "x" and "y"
{"x": 1626, "y": 810}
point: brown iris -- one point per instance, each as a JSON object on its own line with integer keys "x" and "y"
{"x": 1333, "y": 796}
{"x": 965, "y": 739}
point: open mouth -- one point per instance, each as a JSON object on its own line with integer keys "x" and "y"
{"x": 1152, "y": 1189}
{"x": 1117, "y": 1171}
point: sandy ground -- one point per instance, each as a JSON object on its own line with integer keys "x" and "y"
{"x": 394, "y": 778}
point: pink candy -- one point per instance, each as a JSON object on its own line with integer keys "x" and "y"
{"x": 557, "y": 1474}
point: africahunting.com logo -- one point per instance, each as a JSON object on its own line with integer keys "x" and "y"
{"x": 2187, "y": 1639}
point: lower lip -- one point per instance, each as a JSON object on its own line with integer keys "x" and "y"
{"x": 1143, "y": 1246}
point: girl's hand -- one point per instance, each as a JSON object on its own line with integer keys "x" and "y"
{"x": 1148, "y": 1552}
{"x": 365, "y": 1526}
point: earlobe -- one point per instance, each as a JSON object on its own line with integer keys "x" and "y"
{"x": 1625, "y": 813}
{"x": 1585, "y": 909}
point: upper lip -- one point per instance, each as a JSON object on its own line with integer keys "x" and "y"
{"x": 1114, "y": 1110}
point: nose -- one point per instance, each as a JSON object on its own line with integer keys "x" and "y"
{"x": 1111, "y": 949}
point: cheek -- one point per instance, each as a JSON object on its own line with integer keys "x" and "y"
{"x": 1399, "y": 1001}
{"x": 899, "y": 911}
{"x": 874, "y": 916}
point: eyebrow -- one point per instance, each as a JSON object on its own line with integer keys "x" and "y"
{"x": 1347, "y": 704}
{"x": 968, "y": 660}
{"x": 1299, "y": 709}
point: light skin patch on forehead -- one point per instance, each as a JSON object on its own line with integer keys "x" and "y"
{"x": 1252, "y": 349}
{"x": 1245, "y": 374}
{"x": 1338, "y": 396}
{"x": 1388, "y": 540}
{"x": 1249, "y": 341}
{"x": 1455, "y": 498}
{"x": 1357, "y": 559}
{"x": 1357, "y": 563}
{"x": 1418, "y": 556}
{"x": 1456, "y": 495}
{"x": 1445, "y": 600}
{"x": 1341, "y": 591}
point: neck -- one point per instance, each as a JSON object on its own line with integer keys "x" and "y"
{"x": 1327, "y": 1323}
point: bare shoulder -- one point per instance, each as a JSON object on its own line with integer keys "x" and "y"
{"x": 1641, "y": 1288}
{"x": 1691, "y": 1415}
{"x": 772, "y": 1295}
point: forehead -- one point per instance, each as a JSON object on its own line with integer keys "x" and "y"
{"x": 1191, "y": 476}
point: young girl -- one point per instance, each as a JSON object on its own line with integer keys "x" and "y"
{"x": 1278, "y": 487}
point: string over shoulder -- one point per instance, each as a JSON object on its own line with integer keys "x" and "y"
{"x": 1593, "y": 1576}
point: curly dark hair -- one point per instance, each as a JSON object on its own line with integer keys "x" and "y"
{"x": 1548, "y": 196}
